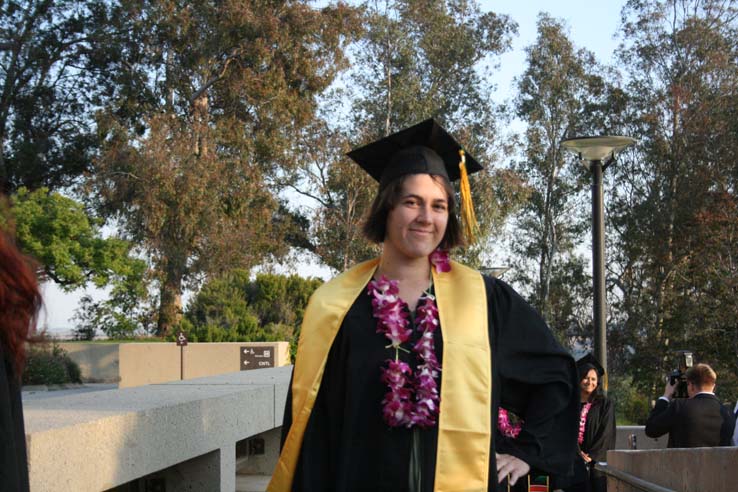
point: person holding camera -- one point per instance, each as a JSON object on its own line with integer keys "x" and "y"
{"x": 697, "y": 421}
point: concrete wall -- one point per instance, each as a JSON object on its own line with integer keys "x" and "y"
{"x": 184, "y": 432}
{"x": 135, "y": 364}
{"x": 151, "y": 363}
{"x": 681, "y": 470}
{"x": 642, "y": 440}
{"x": 98, "y": 362}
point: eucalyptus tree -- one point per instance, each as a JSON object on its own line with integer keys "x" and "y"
{"x": 50, "y": 68}
{"x": 208, "y": 97}
{"x": 676, "y": 269}
{"x": 558, "y": 95}
{"x": 414, "y": 60}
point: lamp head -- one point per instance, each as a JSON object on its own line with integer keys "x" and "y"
{"x": 597, "y": 148}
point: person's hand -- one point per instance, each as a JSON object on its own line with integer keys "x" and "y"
{"x": 670, "y": 388}
{"x": 585, "y": 456}
{"x": 510, "y": 465}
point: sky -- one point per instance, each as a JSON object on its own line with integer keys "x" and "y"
{"x": 592, "y": 24}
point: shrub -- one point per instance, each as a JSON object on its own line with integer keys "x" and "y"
{"x": 236, "y": 308}
{"x": 50, "y": 365}
{"x": 631, "y": 407}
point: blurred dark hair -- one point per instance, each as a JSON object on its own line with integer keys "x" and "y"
{"x": 20, "y": 300}
{"x": 375, "y": 226}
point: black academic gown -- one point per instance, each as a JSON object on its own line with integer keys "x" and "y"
{"x": 13, "y": 462}
{"x": 599, "y": 437}
{"x": 347, "y": 447}
{"x": 599, "y": 431}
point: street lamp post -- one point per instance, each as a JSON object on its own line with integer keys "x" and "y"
{"x": 594, "y": 150}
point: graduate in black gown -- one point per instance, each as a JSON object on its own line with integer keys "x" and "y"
{"x": 19, "y": 303}
{"x": 404, "y": 360}
{"x": 597, "y": 429}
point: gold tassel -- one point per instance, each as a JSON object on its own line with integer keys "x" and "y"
{"x": 471, "y": 227}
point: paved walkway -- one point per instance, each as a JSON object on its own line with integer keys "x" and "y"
{"x": 252, "y": 483}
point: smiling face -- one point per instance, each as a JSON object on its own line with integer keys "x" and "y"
{"x": 589, "y": 382}
{"x": 416, "y": 225}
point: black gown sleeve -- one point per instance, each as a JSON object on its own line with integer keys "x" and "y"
{"x": 287, "y": 417}
{"x": 536, "y": 378}
{"x": 601, "y": 434}
{"x": 13, "y": 461}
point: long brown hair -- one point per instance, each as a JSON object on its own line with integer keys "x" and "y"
{"x": 20, "y": 300}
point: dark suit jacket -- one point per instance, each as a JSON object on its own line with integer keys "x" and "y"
{"x": 692, "y": 422}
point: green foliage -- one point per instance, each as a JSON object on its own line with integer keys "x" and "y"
{"x": 673, "y": 207}
{"x": 59, "y": 233}
{"x": 68, "y": 243}
{"x": 52, "y": 69}
{"x": 208, "y": 101}
{"x": 631, "y": 406}
{"x": 125, "y": 313}
{"x": 50, "y": 365}
{"x": 555, "y": 98}
{"x": 234, "y": 308}
{"x": 414, "y": 60}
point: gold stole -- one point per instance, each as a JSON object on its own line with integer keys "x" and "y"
{"x": 464, "y": 427}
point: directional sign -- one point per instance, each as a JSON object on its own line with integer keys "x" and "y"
{"x": 256, "y": 357}
{"x": 181, "y": 339}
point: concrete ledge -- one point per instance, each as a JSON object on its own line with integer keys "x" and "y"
{"x": 96, "y": 441}
{"x": 683, "y": 470}
{"x": 623, "y": 432}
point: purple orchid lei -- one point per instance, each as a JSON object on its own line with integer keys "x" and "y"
{"x": 507, "y": 428}
{"x": 583, "y": 421}
{"x": 412, "y": 400}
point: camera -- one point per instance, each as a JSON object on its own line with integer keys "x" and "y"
{"x": 679, "y": 376}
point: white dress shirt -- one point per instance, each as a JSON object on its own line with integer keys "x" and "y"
{"x": 735, "y": 432}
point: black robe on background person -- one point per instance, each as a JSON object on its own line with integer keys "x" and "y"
{"x": 13, "y": 461}
{"x": 599, "y": 431}
{"x": 347, "y": 447}
{"x": 599, "y": 437}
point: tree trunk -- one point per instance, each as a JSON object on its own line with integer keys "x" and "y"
{"x": 170, "y": 302}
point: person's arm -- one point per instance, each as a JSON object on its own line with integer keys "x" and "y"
{"x": 663, "y": 415}
{"x": 536, "y": 379}
{"x": 726, "y": 430}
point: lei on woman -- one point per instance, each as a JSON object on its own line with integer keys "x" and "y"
{"x": 583, "y": 421}
{"x": 412, "y": 399}
{"x": 507, "y": 428}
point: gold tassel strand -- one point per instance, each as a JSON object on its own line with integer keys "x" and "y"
{"x": 471, "y": 227}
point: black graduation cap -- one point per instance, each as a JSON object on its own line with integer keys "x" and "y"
{"x": 424, "y": 148}
{"x": 588, "y": 362}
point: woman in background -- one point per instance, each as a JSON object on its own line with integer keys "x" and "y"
{"x": 20, "y": 301}
{"x": 596, "y": 428}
